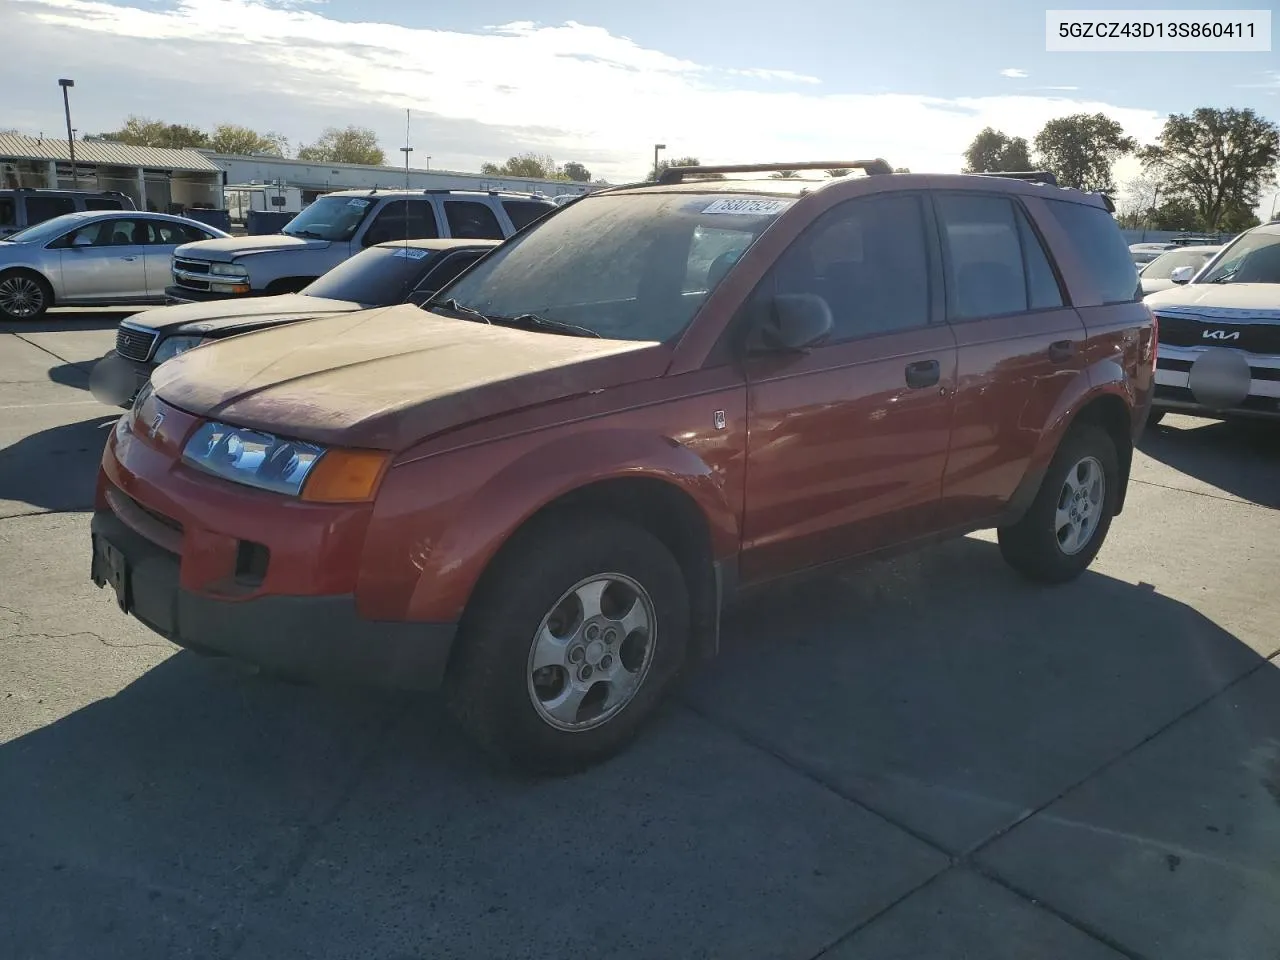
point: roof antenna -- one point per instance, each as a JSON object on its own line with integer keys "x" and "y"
{"x": 406, "y": 150}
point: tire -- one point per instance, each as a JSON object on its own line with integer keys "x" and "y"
{"x": 24, "y": 295}
{"x": 510, "y": 708}
{"x": 1154, "y": 418}
{"x": 1034, "y": 546}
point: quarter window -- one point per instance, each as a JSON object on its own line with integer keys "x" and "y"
{"x": 7, "y": 217}
{"x": 469, "y": 220}
{"x": 1100, "y": 245}
{"x": 868, "y": 259}
{"x": 102, "y": 203}
{"x": 524, "y": 212}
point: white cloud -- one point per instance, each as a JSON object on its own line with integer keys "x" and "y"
{"x": 573, "y": 90}
{"x": 1057, "y": 88}
{"x": 1013, "y": 73}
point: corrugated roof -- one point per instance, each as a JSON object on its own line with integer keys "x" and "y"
{"x": 111, "y": 154}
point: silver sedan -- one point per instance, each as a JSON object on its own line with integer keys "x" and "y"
{"x": 92, "y": 259}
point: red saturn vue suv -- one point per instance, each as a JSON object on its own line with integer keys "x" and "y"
{"x": 539, "y": 490}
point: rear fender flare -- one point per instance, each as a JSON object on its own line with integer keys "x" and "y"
{"x": 1102, "y": 379}
{"x": 485, "y": 521}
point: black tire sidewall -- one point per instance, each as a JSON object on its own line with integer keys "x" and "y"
{"x": 1031, "y": 545}
{"x": 489, "y": 687}
{"x": 45, "y": 288}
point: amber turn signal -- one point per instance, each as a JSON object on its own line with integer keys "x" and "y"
{"x": 345, "y": 476}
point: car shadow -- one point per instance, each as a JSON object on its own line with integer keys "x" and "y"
{"x": 202, "y": 810}
{"x": 73, "y": 374}
{"x": 55, "y": 469}
{"x": 1241, "y": 457}
{"x": 67, "y": 321}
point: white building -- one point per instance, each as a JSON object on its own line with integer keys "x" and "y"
{"x": 314, "y": 179}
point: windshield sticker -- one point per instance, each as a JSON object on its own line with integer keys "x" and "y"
{"x": 358, "y": 203}
{"x": 744, "y": 206}
{"x": 409, "y": 253}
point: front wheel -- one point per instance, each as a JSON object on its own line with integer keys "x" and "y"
{"x": 570, "y": 643}
{"x": 24, "y": 296}
{"x": 1064, "y": 528}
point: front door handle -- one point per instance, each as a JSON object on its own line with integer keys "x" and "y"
{"x": 128, "y": 259}
{"x": 923, "y": 373}
{"x": 1062, "y": 351}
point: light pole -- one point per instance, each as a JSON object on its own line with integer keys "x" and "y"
{"x": 71, "y": 139}
{"x": 656, "y": 148}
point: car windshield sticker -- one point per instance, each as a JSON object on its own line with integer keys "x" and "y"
{"x": 745, "y": 206}
{"x": 358, "y": 203}
{"x": 409, "y": 253}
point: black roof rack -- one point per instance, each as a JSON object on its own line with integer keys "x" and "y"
{"x": 1032, "y": 176}
{"x": 677, "y": 174}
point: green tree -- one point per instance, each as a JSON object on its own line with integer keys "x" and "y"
{"x": 349, "y": 145}
{"x": 785, "y": 175}
{"x": 537, "y": 166}
{"x": 1174, "y": 214}
{"x": 994, "y": 152}
{"x": 1081, "y": 148}
{"x": 1215, "y": 161}
{"x": 839, "y": 172}
{"x": 576, "y": 172}
{"x": 901, "y": 170}
{"x": 683, "y": 162}
{"x": 144, "y": 132}
{"x": 232, "y": 138}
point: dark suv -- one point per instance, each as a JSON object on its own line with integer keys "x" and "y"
{"x": 541, "y": 490}
{"x": 26, "y": 206}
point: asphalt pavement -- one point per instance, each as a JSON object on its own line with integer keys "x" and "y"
{"x": 925, "y": 759}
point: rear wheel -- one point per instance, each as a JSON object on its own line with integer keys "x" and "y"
{"x": 570, "y": 643}
{"x": 1064, "y": 528}
{"x": 24, "y": 295}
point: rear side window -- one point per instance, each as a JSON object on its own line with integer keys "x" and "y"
{"x": 1101, "y": 248}
{"x": 403, "y": 220}
{"x": 1043, "y": 292}
{"x": 40, "y": 209}
{"x": 985, "y": 274}
{"x": 524, "y": 212}
{"x": 7, "y": 217}
{"x": 102, "y": 203}
{"x": 469, "y": 220}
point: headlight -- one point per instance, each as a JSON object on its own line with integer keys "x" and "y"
{"x": 263, "y": 460}
{"x": 173, "y": 346}
{"x": 228, "y": 270}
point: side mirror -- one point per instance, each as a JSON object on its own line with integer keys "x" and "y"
{"x": 794, "y": 322}
{"x": 82, "y": 241}
{"x": 1182, "y": 274}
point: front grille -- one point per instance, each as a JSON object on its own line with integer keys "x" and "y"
{"x": 1192, "y": 332}
{"x": 134, "y": 344}
{"x": 191, "y": 266}
{"x": 191, "y": 284}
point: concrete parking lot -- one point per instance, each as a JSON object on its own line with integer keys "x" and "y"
{"x": 928, "y": 758}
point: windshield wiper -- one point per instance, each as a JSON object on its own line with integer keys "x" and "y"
{"x": 453, "y": 306}
{"x": 309, "y": 234}
{"x": 531, "y": 321}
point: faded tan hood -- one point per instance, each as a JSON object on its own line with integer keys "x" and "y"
{"x": 387, "y": 378}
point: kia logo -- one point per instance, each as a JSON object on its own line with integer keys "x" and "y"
{"x": 1219, "y": 335}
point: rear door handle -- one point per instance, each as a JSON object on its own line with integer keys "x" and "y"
{"x": 923, "y": 373}
{"x": 1062, "y": 351}
{"x": 128, "y": 259}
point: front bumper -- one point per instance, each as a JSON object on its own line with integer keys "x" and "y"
{"x": 318, "y": 638}
{"x": 116, "y": 380}
{"x": 175, "y": 294}
{"x": 1248, "y": 387}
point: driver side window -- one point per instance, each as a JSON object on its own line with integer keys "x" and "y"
{"x": 104, "y": 233}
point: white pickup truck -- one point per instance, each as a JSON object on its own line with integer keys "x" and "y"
{"x": 337, "y": 226}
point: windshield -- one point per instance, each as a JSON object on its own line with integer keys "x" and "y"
{"x": 1253, "y": 258}
{"x": 628, "y": 267}
{"x": 329, "y": 218}
{"x": 377, "y": 277}
{"x": 47, "y": 230}
{"x": 1163, "y": 266}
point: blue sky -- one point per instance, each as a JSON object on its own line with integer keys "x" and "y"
{"x": 911, "y": 80}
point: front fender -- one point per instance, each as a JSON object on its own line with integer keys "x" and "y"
{"x": 440, "y": 521}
